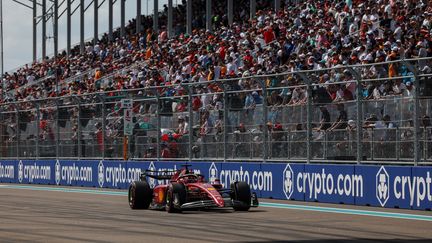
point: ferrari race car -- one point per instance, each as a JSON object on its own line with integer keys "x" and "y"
{"x": 186, "y": 190}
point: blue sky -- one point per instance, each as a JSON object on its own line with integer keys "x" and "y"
{"x": 17, "y": 21}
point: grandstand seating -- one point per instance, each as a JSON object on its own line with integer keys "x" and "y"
{"x": 332, "y": 44}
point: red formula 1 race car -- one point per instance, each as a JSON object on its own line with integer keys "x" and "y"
{"x": 188, "y": 191}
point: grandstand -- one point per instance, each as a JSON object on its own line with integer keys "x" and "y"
{"x": 345, "y": 81}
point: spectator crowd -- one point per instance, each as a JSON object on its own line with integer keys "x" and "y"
{"x": 303, "y": 35}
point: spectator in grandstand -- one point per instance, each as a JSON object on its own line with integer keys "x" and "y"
{"x": 183, "y": 126}
{"x": 241, "y": 135}
{"x": 343, "y": 94}
{"x": 278, "y": 137}
{"x": 325, "y": 120}
{"x": 341, "y": 121}
{"x": 399, "y": 88}
{"x": 410, "y": 89}
{"x": 165, "y": 151}
{"x": 426, "y": 121}
{"x": 351, "y": 125}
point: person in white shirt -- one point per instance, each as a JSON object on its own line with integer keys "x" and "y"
{"x": 399, "y": 88}
{"x": 183, "y": 126}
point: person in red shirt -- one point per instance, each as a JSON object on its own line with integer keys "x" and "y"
{"x": 165, "y": 151}
{"x": 269, "y": 35}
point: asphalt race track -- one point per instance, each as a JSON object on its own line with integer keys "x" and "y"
{"x": 50, "y": 214}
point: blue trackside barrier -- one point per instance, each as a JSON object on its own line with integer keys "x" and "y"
{"x": 381, "y": 186}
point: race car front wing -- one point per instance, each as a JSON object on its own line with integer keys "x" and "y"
{"x": 228, "y": 202}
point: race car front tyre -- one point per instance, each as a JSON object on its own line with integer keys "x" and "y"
{"x": 140, "y": 195}
{"x": 176, "y": 196}
{"x": 241, "y": 193}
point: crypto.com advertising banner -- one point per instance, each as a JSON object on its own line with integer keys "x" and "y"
{"x": 382, "y": 186}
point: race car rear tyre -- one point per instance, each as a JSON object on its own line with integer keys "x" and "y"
{"x": 140, "y": 195}
{"x": 241, "y": 192}
{"x": 176, "y": 196}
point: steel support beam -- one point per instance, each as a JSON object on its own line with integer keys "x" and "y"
{"x": 189, "y": 17}
{"x": 417, "y": 158}
{"x": 230, "y": 12}
{"x": 122, "y": 18}
{"x": 68, "y": 27}
{"x": 190, "y": 121}
{"x": 82, "y": 10}
{"x": 110, "y": 20}
{"x": 170, "y": 19}
{"x": 308, "y": 83}
{"x": 43, "y": 29}
{"x": 55, "y": 26}
{"x": 359, "y": 124}
{"x": 34, "y": 31}
{"x": 225, "y": 123}
{"x": 138, "y": 17}
{"x": 155, "y": 15}
{"x": 209, "y": 15}
{"x": 96, "y": 22}
{"x": 252, "y": 9}
{"x": 277, "y": 5}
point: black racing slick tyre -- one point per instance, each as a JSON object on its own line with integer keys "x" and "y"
{"x": 241, "y": 192}
{"x": 140, "y": 195}
{"x": 176, "y": 196}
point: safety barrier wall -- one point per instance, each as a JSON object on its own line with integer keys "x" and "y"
{"x": 383, "y": 186}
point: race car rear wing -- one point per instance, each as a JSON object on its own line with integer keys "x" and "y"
{"x": 158, "y": 175}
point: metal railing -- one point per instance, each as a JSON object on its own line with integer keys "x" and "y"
{"x": 279, "y": 117}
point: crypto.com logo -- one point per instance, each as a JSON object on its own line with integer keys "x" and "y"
{"x": 213, "y": 173}
{"x": 382, "y": 186}
{"x": 101, "y": 174}
{"x": 288, "y": 178}
{"x": 152, "y": 181}
{"x": 57, "y": 172}
{"x": 20, "y": 171}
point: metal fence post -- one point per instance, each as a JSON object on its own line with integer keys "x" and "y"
{"x": 397, "y": 144}
{"x": 265, "y": 117}
{"x": 17, "y": 133}
{"x": 57, "y": 130}
{"x": 359, "y": 124}
{"x": 37, "y": 129}
{"x": 411, "y": 68}
{"x": 79, "y": 129}
{"x": 225, "y": 123}
{"x": 103, "y": 124}
{"x": 158, "y": 127}
{"x": 191, "y": 132}
{"x": 308, "y": 115}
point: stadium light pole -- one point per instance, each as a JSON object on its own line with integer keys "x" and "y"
{"x": 82, "y": 9}
{"x": 122, "y": 18}
{"x": 230, "y": 8}
{"x": 209, "y": 15}
{"x": 34, "y": 31}
{"x": 170, "y": 19}
{"x": 138, "y": 17}
{"x": 68, "y": 27}
{"x": 110, "y": 20}
{"x": 155, "y": 15}
{"x": 55, "y": 28}
{"x": 96, "y": 21}
{"x": 43, "y": 29}
{"x": 1, "y": 48}
{"x": 252, "y": 9}
{"x": 189, "y": 17}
